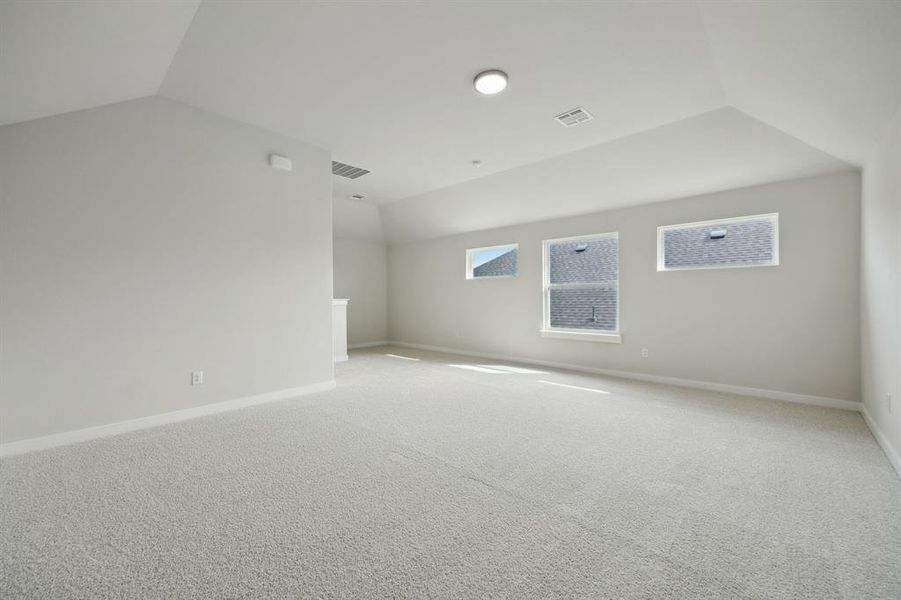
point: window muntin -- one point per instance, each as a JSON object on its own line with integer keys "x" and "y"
{"x": 751, "y": 241}
{"x": 492, "y": 262}
{"x": 581, "y": 284}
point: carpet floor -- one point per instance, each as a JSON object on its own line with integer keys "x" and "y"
{"x": 426, "y": 475}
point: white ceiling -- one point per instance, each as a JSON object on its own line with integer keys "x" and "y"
{"x": 387, "y": 86}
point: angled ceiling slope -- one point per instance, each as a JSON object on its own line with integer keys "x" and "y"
{"x": 719, "y": 150}
{"x": 57, "y": 57}
{"x": 828, "y": 73}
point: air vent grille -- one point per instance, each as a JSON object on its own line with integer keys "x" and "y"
{"x": 573, "y": 117}
{"x": 349, "y": 171}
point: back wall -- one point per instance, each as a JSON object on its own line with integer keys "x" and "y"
{"x": 790, "y": 328}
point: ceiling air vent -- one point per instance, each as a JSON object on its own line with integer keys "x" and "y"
{"x": 351, "y": 172}
{"x": 573, "y": 117}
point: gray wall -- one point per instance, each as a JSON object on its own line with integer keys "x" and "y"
{"x": 145, "y": 239}
{"x": 881, "y": 285}
{"x": 361, "y": 274}
{"x": 792, "y": 328}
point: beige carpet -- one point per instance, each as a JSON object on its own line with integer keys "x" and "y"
{"x": 444, "y": 477}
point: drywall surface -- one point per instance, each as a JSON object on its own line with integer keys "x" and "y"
{"x": 792, "y": 327}
{"x": 881, "y": 288}
{"x": 361, "y": 275}
{"x": 143, "y": 240}
{"x": 355, "y": 220}
{"x": 718, "y": 150}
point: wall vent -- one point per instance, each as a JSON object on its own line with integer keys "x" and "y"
{"x": 349, "y": 171}
{"x": 575, "y": 116}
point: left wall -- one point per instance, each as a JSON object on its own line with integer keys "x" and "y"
{"x": 143, "y": 240}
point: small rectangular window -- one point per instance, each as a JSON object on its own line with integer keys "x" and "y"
{"x": 751, "y": 241}
{"x": 581, "y": 288}
{"x": 493, "y": 261}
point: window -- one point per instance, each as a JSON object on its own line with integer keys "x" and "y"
{"x": 581, "y": 288}
{"x": 493, "y": 261}
{"x": 740, "y": 242}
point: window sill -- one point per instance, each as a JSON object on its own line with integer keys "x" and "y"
{"x": 609, "y": 338}
{"x": 472, "y": 278}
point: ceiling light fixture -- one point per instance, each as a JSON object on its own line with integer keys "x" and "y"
{"x": 490, "y": 82}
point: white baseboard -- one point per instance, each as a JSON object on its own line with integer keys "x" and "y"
{"x": 341, "y": 358}
{"x": 367, "y": 345}
{"x": 90, "y": 433}
{"x": 891, "y": 453}
{"x": 690, "y": 383}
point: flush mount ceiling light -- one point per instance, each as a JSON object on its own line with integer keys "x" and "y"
{"x": 490, "y": 82}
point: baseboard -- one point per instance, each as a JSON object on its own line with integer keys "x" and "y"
{"x": 367, "y": 345}
{"x": 894, "y": 457}
{"x": 690, "y": 383}
{"x": 341, "y": 358}
{"x": 90, "y": 433}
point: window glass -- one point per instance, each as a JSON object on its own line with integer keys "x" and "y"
{"x": 584, "y": 260}
{"x": 496, "y": 261}
{"x": 739, "y": 242}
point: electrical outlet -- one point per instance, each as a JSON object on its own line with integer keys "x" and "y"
{"x": 645, "y": 353}
{"x": 196, "y": 377}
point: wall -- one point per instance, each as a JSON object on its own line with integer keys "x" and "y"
{"x": 361, "y": 274}
{"x": 142, "y": 240}
{"x": 361, "y": 269}
{"x": 355, "y": 220}
{"x": 791, "y": 328}
{"x": 881, "y": 290}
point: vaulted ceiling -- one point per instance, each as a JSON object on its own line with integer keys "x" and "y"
{"x": 688, "y": 97}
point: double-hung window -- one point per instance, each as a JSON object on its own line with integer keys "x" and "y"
{"x": 581, "y": 288}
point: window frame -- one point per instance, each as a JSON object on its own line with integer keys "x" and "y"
{"x": 661, "y": 250}
{"x": 546, "y": 331}
{"x": 469, "y": 267}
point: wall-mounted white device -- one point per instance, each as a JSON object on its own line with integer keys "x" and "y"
{"x": 280, "y": 162}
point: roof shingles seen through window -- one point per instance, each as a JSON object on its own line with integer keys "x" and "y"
{"x": 598, "y": 262}
{"x": 748, "y": 242}
{"x": 500, "y": 266}
{"x": 587, "y": 270}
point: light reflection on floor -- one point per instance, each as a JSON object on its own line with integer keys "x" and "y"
{"x": 403, "y": 357}
{"x": 574, "y": 387}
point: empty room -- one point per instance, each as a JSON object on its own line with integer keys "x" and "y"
{"x": 450, "y": 299}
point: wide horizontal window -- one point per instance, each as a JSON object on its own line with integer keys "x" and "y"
{"x": 738, "y": 242}
{"x": 493, "y": 261}
{"x": 581, "y": 286}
